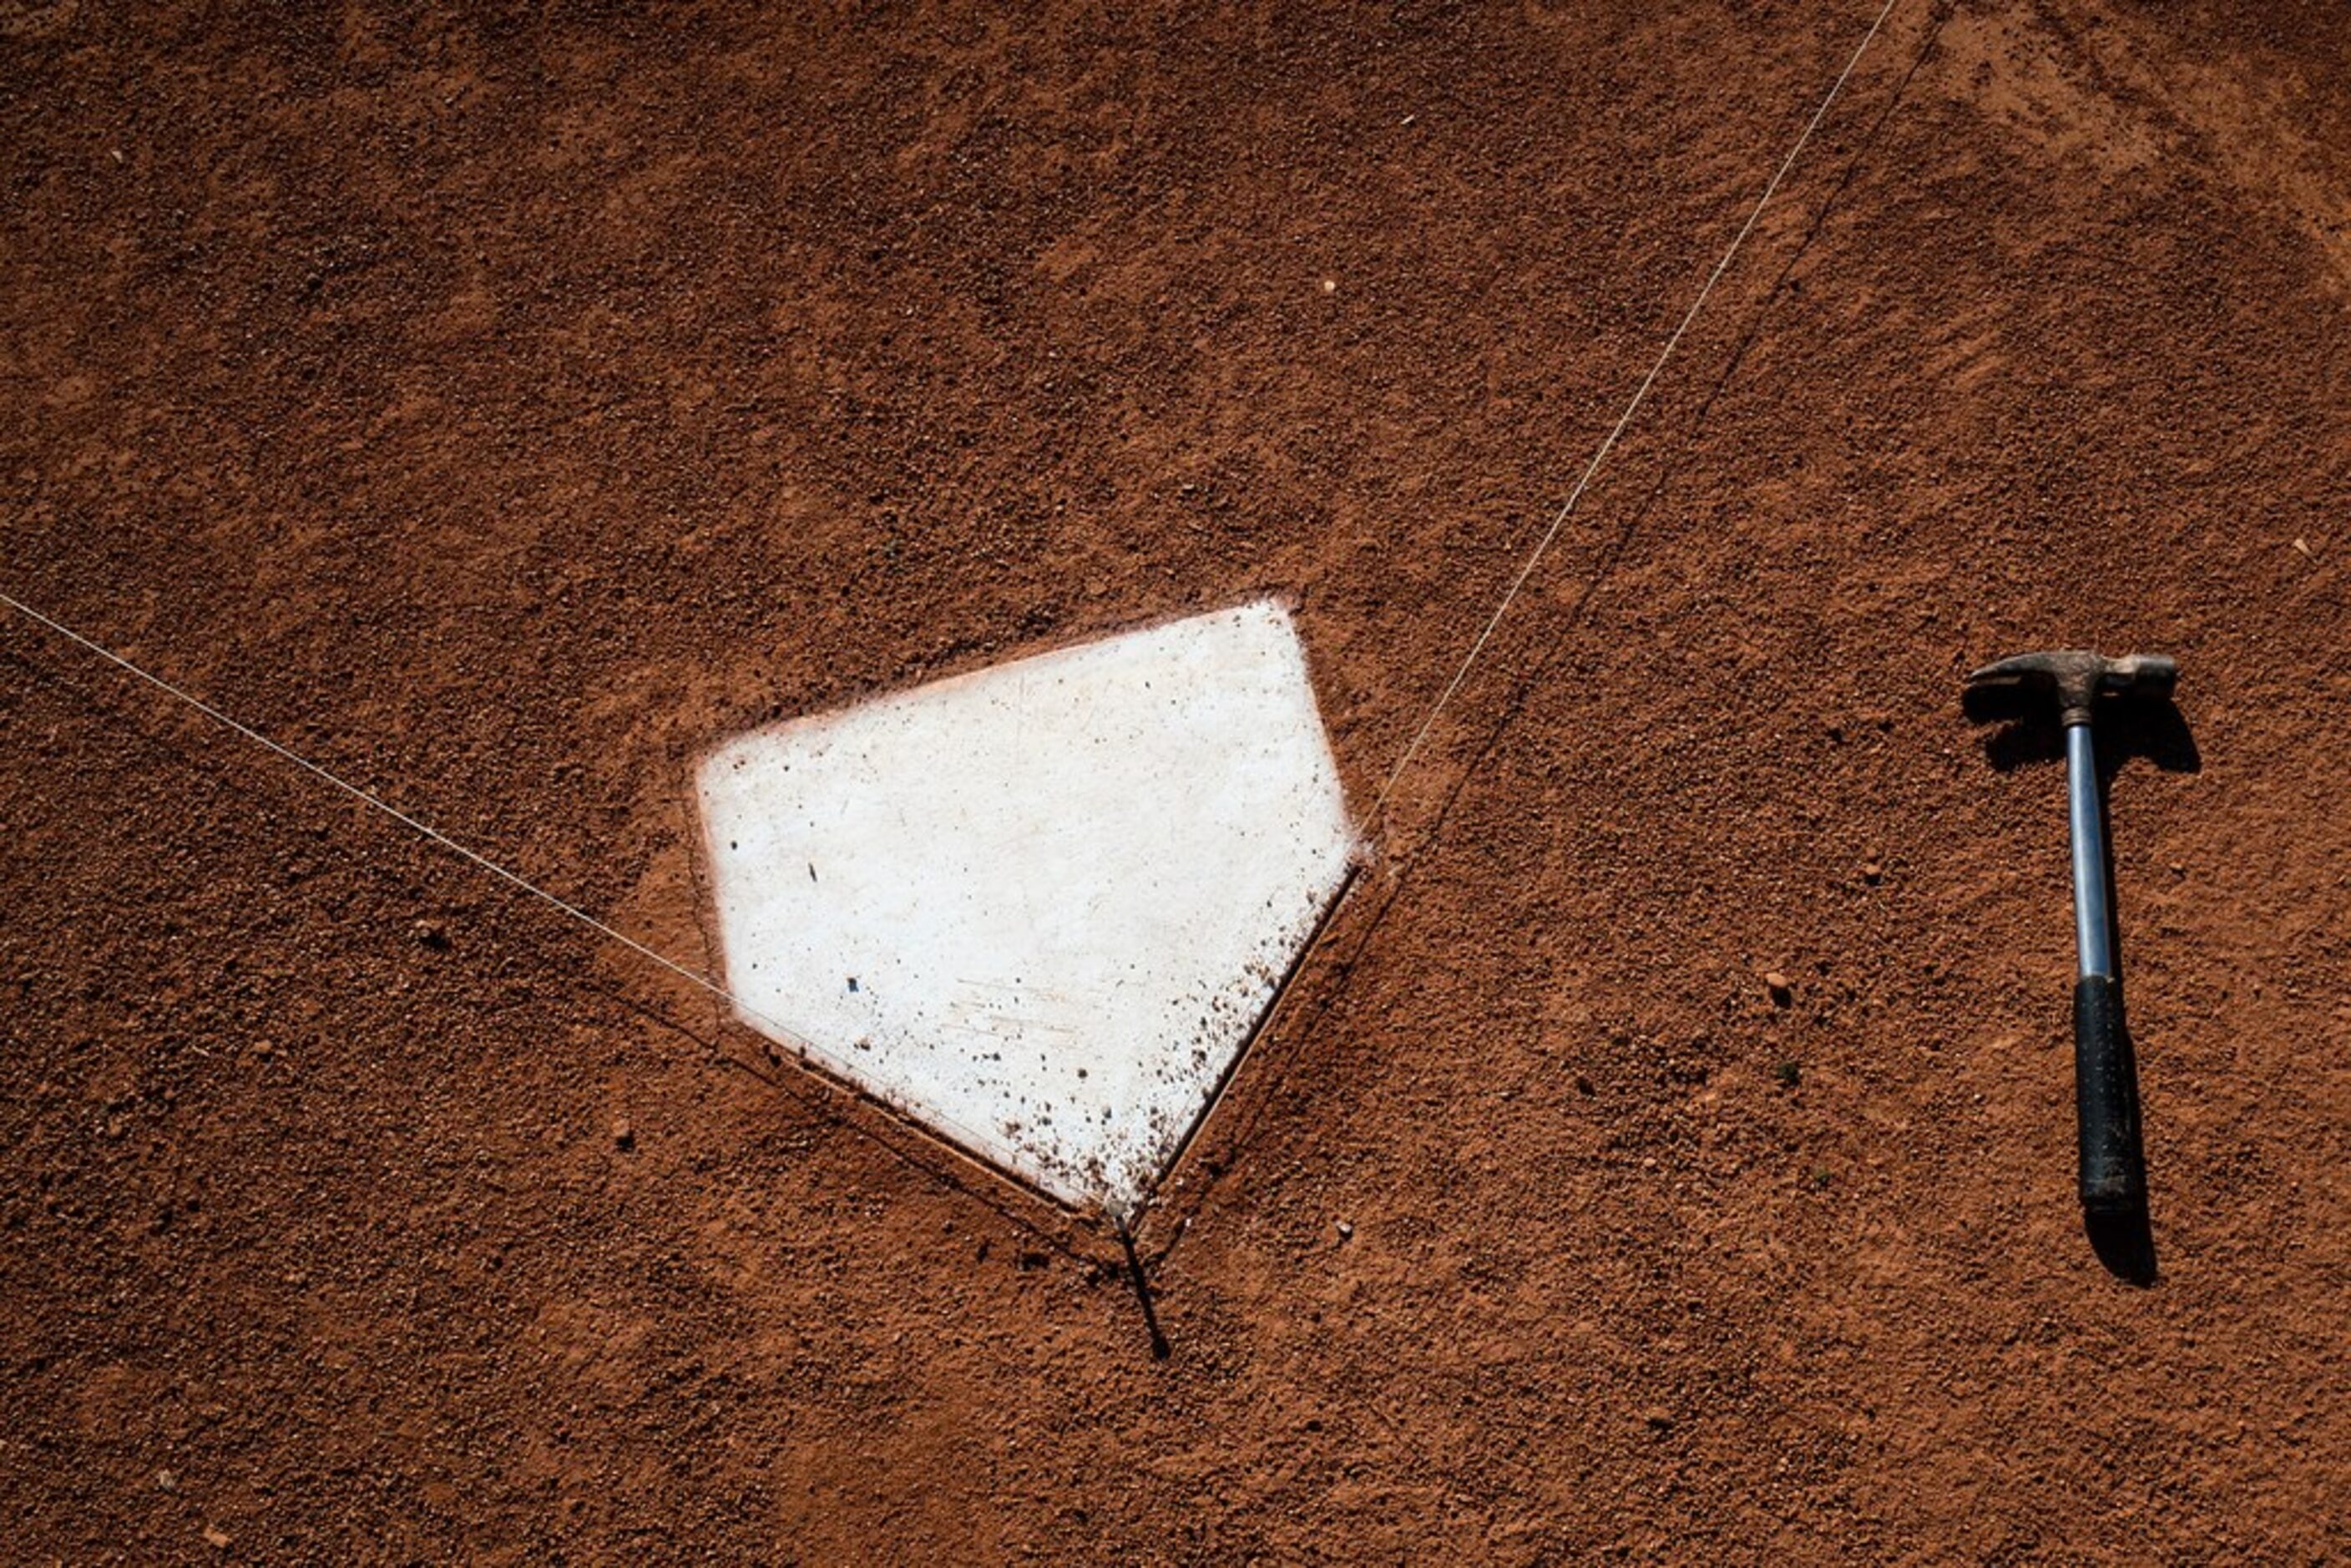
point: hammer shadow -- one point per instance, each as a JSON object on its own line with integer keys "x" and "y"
{"x": 2154, "y": 728}
{"x": 2126, "y": 728}
{"x": 2124, "y": 1242}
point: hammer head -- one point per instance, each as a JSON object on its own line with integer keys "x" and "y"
{"x": 2077, "y": 679}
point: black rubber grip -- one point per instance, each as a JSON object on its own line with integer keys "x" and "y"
{"x": 2105, "y": 1101}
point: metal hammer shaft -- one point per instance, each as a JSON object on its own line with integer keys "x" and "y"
{"x": 2105, "y": 1080}
{"x": 2093, "y": 923}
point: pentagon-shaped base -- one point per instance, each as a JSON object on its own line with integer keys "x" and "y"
{"x": 1040, "y": 907}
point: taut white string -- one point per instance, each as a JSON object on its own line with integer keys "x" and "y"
{"x": 1379, "y": 807}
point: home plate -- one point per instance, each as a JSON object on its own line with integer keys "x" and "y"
{"x": 1040, "y": 907}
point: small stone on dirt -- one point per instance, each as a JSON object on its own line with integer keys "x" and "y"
{"x": 1873, "y": 873}
{"x": 218, "y": 1537}
{"x": 1346, "y": 1231}
{"x": 1658, "y": 1418}
{"x": 430, "y": 933}
{"x": 1776, "y": 983}
{"x": 624, "y": 1136}
{"x": 166, "y": 1481}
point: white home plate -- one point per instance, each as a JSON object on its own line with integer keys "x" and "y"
{"x": 1038, "y": 907}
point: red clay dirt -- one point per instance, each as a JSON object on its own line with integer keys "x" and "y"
{"x": 498, "y": 411}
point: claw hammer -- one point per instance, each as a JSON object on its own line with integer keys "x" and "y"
{"x": 2105, "y": 1083}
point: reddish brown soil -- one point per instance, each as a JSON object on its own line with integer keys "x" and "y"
{"x": 497, "y": 413}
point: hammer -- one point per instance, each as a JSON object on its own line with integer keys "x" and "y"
{"x": 2105, "y": 1084}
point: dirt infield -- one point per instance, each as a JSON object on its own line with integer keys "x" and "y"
{"x": 500, "y": 414}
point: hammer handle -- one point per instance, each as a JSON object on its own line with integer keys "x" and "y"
{"x": 2105, "y": 1101}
